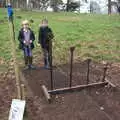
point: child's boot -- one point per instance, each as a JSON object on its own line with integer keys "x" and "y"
{"x": 46, "y": 63}
{"x": 30, "y": 63}
{"x": 26, "y": 59}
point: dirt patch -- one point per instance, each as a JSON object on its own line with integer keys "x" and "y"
{"x": 90, "y": 104}
{"x": 109, "y": 99}
{"x": 98, "y": 103}
{"x": 7, "y": 91}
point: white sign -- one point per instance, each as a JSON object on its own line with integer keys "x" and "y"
{"x": 17, "y": 109}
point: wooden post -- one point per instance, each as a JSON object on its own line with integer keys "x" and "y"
{"x": 47, "y": 95}
{"x": 104, "y": 73}
{"x": 22, "y": 78}
{"x": 23, "y": 91}
{"x": 12, "y": 37}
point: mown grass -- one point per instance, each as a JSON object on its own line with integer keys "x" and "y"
{"x": 96, "y": 36}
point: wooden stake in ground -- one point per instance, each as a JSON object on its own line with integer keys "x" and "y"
{"x": 12, "y": 37}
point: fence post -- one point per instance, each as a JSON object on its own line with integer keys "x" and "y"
{"x": 104, "y": 73}
{"x": 16, "y": 68}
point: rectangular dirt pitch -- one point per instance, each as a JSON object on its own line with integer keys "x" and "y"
{"x": 70, "y": 106}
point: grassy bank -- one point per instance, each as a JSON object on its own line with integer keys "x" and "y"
{"x": 96, "y": 36}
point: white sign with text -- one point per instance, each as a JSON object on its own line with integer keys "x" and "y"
{"x": 17, "y": 109}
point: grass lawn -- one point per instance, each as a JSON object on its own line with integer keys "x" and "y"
{"x": 96, "y": 36}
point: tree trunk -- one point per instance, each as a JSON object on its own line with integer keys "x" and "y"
{"x": 79, "y": 5}
{"x": 109, "y": 7}
{"x": 17, "y": 3}
{"x": 67, "y": 8}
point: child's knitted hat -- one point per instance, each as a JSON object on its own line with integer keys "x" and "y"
{"x": 9, "y": 5}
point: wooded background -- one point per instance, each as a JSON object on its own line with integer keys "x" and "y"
{"x": 56, "y": 5}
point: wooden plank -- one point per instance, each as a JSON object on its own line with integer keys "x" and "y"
{"x": 74, "y": 88}
{"x": 110, "y": 83}
{"x": 23, "y": 91}
{"x": 47, "y": 95}
{"x": 22, "y": 80}
{"x": 17, "y": 109}
{"x": 13, "y": 51}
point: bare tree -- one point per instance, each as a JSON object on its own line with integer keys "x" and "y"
{"x": 2, "y": 3}
{"x": 38, "y": 4}
{"x": 55, "y": 4}
{"x": 44, "y": 4}
{"x": 109, "y": 7}
{"x": 118, "y": 6}
{"x": 94, "y": 7}
{"x": 68, "y": 2}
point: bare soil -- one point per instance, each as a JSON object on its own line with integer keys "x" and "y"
{"x": 7, "y": 90}
{"x": 98, "y": 103}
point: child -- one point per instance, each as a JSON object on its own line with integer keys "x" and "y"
{"x": 45, "y": 39}
{"x": 10, "y": 12}
{"x": 26, "y": 38}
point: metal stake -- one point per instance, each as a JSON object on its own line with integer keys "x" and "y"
{"x": 51, "y": 67}
{"x": 88, "y": 70}
{"x": 71, "y": 64}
